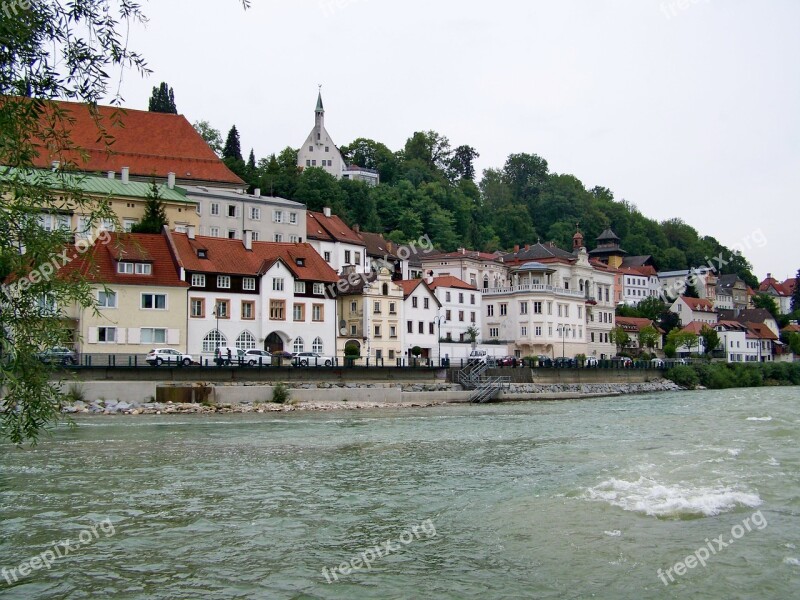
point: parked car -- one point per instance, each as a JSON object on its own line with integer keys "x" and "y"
{"x": 312, "y": 359}
{"x": 563, "y": 362}
{"x": 227, "y": 355}
{"x": 657, "y": 363}
{"x": 478, "y": 357}
{"x": 258, "y": 357}
{"x": 158, "y": 356}
{"x": 543, "y": 361}
{"x": 590, "y": 361}
{"x": 624, "y": 361}
{"x": 59, "y": 355}
{"x": 507, "y": 361}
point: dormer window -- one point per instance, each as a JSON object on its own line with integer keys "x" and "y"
{"x": 202, "y": 253}
{"x": 130, "y": 268}
{"x": 301, "y": 262}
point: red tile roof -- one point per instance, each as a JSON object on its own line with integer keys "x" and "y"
{"x": 761, "y": 331}
{"x": 451, "y": 282}
{"x": 230, "y": 257}
{"x": 409, "y": 285}
{"x": 464, "y": 253}
{"x": 698, "y": 304}
{"x": 789, "y": 285}
{"x": 635, "y": 323}
{"x": 779, "y": 288}
{"x": 149, "y": 143}
{"x": 694, "y": 327}
{"x": 330, "y": 229}
{"x": 791, "y": 329}
{"x": 99, "y": 263}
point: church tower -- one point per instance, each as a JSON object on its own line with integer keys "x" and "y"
{"x": 319, "y": 149}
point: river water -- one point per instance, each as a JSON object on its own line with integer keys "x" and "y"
{"x": 570, "y": 499}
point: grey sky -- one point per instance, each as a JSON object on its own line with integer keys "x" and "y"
{"x": 685, "y": 108}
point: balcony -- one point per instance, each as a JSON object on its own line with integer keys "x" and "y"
{"x": 534, "y": 288}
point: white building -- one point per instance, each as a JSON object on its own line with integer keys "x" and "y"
{"x": 694, "y": 309}
{"x": 420, "y": 311}
{"x": 460, "y": 307}
{"x": 739, "y": 344}
{"x": 272, "y": 296}
{"x": 229, "y": 213}
{"x": 319, "y": 149}
{"x": 335, "y": 242}
{"x": 639, "y": 283}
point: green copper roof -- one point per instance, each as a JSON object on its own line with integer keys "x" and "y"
{"x": 92, "y": 184}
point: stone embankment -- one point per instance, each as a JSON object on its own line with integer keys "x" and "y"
{"x": 352, "y": 396}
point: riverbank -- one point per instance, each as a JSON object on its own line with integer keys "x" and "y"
{"x": 325, "y": 397}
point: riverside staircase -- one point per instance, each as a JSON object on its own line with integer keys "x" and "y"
{"x": 483, "y": 388}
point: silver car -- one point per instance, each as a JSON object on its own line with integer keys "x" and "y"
{"x": 260, "y": 358}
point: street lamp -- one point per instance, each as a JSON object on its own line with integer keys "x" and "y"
{"x": 438, "y": 320}
{"x": 564, "y": 330}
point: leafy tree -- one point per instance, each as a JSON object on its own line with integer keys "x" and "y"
{"x": 319, "y": 189}
{"x": 620, "y": 337}
{"x": 767, "y": 302}
{"x": 155, "y": 216}
{"x": 691, "y": 289}
{"x": 163, "y": 100}
{"x": 651, "y": 308}
{"x": 462, "y": 163}
{"x": 679, "y": 339}
{"x": 710, "y": 339}
{"x": 212, "y": 136}
{"x": 648, "y": 337}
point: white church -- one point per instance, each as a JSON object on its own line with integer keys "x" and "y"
{"x": 320, "y": 151}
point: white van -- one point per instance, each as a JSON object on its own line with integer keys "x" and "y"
{"x": 227, "y": 355}
{"x": 478, "y": 357}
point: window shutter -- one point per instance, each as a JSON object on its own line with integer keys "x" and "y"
{"x": 121, "y": 335}
{"x": 133, "y": 335}
{"x": 92, "y": 335}
{"x": 173, "y": 336}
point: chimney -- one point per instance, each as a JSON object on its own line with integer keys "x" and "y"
{"x": 171, "y": 180}
{"x": 326, "y": 211}
{"x": 55, "y": 164}
{"x": 769, "y": 275}
{"x": 190, "y": 231}
{"x": 357, "y": 228}
{"x": 516, "y": 248}
{"x": 429, "y": 278}
{"x": 257, "y": 192}
{"x": 125, "y": 175}
{"x": 111, "y": 174}
{"x": 248, "y": 239}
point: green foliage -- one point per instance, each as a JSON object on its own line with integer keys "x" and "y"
{"x": 669, "y": 350}
{"x": 648, "y": 337}
{"x": 75, "y": 393}
{"x": 155, "y": 216}
{"x": 767, "y": 302}
{"x": 720, "y": 376}
{"x": 212, "y": 136}
{"x": 163, "y": 100}
{"x": 682, "y": 341}
{"x": 620, "y": 337}
{"x": 352, "y": 350}
{"x": 472, "y": 333}
{"x": 793, "y": 341}
{"x": 416, "y": 351}
{"x": 796, "y": 293}
{"x": 280, "y": 393}
{"x": 233, "y": 148}
{"x": 685, "y": 376}
{"x": 710, "y": 339}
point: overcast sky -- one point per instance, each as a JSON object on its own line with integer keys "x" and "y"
{"x": 686, "y": 108}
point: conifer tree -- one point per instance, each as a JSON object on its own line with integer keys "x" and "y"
{"x": 163, "y": 100}
{"x": 233, "y": 148}
{"x": 155, "y": 216}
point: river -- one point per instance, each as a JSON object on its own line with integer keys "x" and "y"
{"x": 605, "y": 498}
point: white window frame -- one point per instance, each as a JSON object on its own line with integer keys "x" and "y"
{"x": 249, "y": 284}
{"x": 224, "y": 282}
{"x": 143, "y": 339}
{"x": 154, "y": 295}
{"x": 106, "y": 295}
{"x": 198, "y": 280}
{"x": 277, "y": 284}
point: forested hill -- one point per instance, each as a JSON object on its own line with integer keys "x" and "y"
{"x": 430, "y": 187}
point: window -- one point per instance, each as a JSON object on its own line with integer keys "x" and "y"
{"x": 198, "y": 280}
{"x": 566, "y": 310}
{"x": 378, "y": 353}
{"x": 246, "y": 341}
{"x": 254, "y": 236}
{"x": 308, "y": 161}
{"x": 472, "y": 298}
{"x": 277, "y": 216}
{"x": 222, "y": 309}
{"x": 213, "y": 232}
{"x": 327, "y": 256}
{"x": 494, "y": 332}
{"x": 277, "y": 310}
{"x": 461, "y": 316}
{"x": 106, "y": 299}
{"x": 414, "y": 302}
{"x": 231, "y": 210}
{"x": 538, "y": 330}
{"x": 214, "y": 340}
{"x": 215, "y": 208}
{"x": 560, "y": 310}
{"x": 327, "y": 148}
{"x": 277, "y": 284}
{"x": 425, "y": 303}
{"x": 523, "y": 308}
{"x": 232, "y": 234}
{"x": 503, "y": 309}
{"x": 523, "y": 331}
{"x": 299, "y": 312}
{"x": 353, "y": 330}
{"x": 430, "y": 328}
{"x": 249, "y": 284}
{"x": 317, "y": 346}
{"x": 319, "y": 289}
{"x": 472, "y": 317}
{"x": 299, "y": 287}
{"x": 223, "y": 281}
{"x": 153, "y": 335}
{"x": 460, "y": 298}
{"x": 248, "y": 310}
{"x": 377, "y": 331}
{"x": 127, "y": 224}
{"x": 410, "y": 326}
{"x": 580, "y": 312}
{"x": 127, "y": 268}
{"x": 294, "y": 239}
{"x": 357, "y": 256}
{"x": 537, "y": 308}
{"x": 447, "y": 316}
{"x": 490, "y": 310}
{"x": 299, "y": 345}
{"x": 347, "y": 257}
{"x": 106, "y": 335}
{"x": 317, "y": 312}
{"x": 154, "y": 301}
{"x": 197, "y": 308}
{"x": 393, "y": 331}
{"x": 549, "y": 307}
{"x": 278, "y": 237}
{"x": 392, "y": 308}
{"x": 353, "y": 307}
{"x": 391, "y": 354}
{"x": 447, "y": 296}
{"x": 293, "y": 218}
{"x": 255, "y": 213}
{"x": 376, "y": 307}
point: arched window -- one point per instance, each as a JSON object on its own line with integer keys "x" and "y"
{"x": 299, "y": 345}
{"x": 486, "y": 282}
{"x": 385, "y": 289}
{"x": 246, "y": 341}
{"x": 214, "y": 340}
{"x": 580, "y": 283}
{"x": 317, "y": 345}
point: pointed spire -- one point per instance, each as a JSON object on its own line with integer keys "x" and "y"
{"x": 320, "y": 108}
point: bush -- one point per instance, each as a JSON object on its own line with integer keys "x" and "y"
{"x": 351, "y": 350}
{"x": 669, "y": 351}
{"x": 75, "y": 393}
{"x": 280, "y": 393}
{"x": 684, "y": 376}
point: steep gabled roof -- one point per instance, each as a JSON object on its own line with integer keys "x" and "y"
{"x": 449, "y": 281}
{"x": 771, "y": 282}
{"x": 698, "y": 304}
{"x": 149, "y": 143}
{"x": 410, "y": 286}
{"x": 330, "y": 229}
{"x": 761, "y": 331}
{"x": 377, "y": 245}
{"x": 230, "y": 257}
